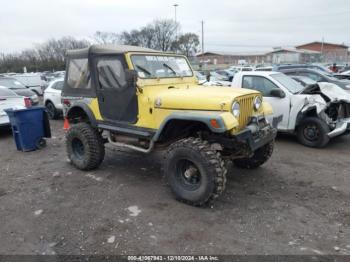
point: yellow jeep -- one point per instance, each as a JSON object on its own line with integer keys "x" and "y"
{"x": 142, "y": 99}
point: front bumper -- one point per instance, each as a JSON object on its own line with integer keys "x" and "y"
{"x": 258, "y": 133}
{"x": 342, "y": 128}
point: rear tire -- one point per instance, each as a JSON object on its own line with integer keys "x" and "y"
{"x": 85, "y": 146}
{"x": 260, "y": 157}
{"x": 195, "y": 172}
{"x": 313, "y": 132}
{"x": 51, "y": 111}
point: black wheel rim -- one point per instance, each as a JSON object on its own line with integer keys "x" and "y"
{"x": 311, "y": 132}
{"x": 78, "y": 148}
{"x": 50, "y": 110}
{"x": 188, "y": 174}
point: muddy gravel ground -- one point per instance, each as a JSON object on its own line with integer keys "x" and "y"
{"x": 297, "y": 203}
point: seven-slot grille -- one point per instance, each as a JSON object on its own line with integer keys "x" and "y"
{"x": 247, "y": 109}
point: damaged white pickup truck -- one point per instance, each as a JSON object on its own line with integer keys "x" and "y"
{"x": 314, "y": 113}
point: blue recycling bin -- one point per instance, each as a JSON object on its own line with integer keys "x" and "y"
{"x": 29, "y": 127}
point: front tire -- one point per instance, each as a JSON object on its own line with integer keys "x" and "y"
{"x": 260, "y": 156}
{"x": 85, "y": 146}
{"x": 195, "y": 172}
{"x": 313, "y": 132}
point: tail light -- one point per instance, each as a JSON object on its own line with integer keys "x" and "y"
{"x": 66, "y": 102}
{"x": 27, "y": 102}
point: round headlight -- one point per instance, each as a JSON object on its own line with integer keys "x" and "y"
{"x": 257, "y": 103}
{"x": 236, "y": 109}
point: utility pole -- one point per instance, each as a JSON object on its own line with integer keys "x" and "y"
{"x": 175, "y": 6}
{"x": 322, "y": 46}
{"x": 202, "y": 36}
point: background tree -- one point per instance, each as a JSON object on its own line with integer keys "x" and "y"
{"x": 187, "y": 44}
{"x": 43, "y": 57}
{"x": 159, "y": 35}
{"x": 50, "y": 55}
{"x": 105, "y": 38}
{"x": 165, "y": 34}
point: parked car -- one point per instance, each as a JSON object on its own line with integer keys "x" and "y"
{"x": 314, "y": 113}
{"x": 295, "y": 66}
{"x": 51, "y": 76}
{"x": 226, "y": 73}
{"x": 345, "y": 69}
{"x": 265, "y": 68}
{"x": 9, "y": 99}
{"x": 342, "y": 76}
{"x": 52, "y": 98}
{"x": 33, "y": 81}
{"x": 318, "y": 76}
{"x": 19, "y": 89}
{"x": 241, "y": 68}
{"x": 200, "y": 76}
{"x": 214, "y": 76}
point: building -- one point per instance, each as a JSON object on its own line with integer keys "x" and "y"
{"x": 333, "y": 53}
{"x": 292, "y": 56}
{"x": 230, "y": 58}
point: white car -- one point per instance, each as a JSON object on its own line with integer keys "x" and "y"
{"x": 52, "y": 98}
{"x": 33, "y": 81}
{"x": 315, "y": 113}
{"x": 9, "y": 99}
{"x": 236, "y": 69}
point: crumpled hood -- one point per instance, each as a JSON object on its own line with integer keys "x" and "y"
{"x": 200, "y": 98}
{"x": 334, "y": 92}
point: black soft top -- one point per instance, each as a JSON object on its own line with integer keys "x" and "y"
{"x": 108, "y": 49}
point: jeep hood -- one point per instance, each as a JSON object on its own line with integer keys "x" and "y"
{"x": 200, "y": 98}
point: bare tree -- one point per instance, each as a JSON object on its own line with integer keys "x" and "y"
{"x": 159, "y": 35}
{"x": 165, "y": 34}
{"x": 49, "y": 55}
{"x": 187, "y": 44}
{"x": 105, "y": 38}
{"x": 144, "y": 37}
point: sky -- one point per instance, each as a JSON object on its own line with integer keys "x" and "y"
{"x": 229, "y": 25}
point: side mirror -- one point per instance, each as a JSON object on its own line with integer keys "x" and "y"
{"x": 131, "y": 77}
{"x": 277, "y": 93}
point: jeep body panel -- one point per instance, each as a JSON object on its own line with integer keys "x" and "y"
{"x": 159, "y": 100}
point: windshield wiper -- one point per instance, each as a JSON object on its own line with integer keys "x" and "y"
{"x": 144, "y": 70}
{"x": 170, "y": 68}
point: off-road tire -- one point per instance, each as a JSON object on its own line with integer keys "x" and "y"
{"x": 209, "y": 164}
{"x": 260, "y": 156}
{"x": 93, "y": 151}
{"x": 51, "y": 110}
{"x": 322, "y": 129}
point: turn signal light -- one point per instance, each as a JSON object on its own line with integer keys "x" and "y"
{"x": 214, "y": 123}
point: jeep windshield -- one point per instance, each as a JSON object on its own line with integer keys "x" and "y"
{"x": 160, "y": 66}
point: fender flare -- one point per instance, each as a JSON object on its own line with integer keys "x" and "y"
{"x": 196, "y": 117}
{"x": 86, "y": 110}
